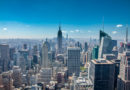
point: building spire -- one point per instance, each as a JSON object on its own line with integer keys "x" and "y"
{"x": 126, "y": 33}
{"x": 103, "y": 24}
{"x": 59, "y": 25}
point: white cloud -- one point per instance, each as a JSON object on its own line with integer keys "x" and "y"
{"x": 64, "y": 31}
{"x": 72, "y": 31}
{"x": 119, "y": 25}
{"x": 4, "y": 28}
{"x": 114, "y": 32}
{"x": 77, "y": 30}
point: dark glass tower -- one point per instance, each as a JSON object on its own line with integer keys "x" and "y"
{"x": 59, "y": 40}
{"x": 103, "y": 34}
{"x": 101, "y": 74}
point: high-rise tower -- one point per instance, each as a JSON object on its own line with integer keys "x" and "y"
{"x": 46, "y": 71}
{"x": 127, "y": 34}
{"x": 123, "y": 82}
{"x": 86, "y": 47}
{"x": 4, "y": 57}
{"x": 101, "y": 74}
{"x": 45, "y": 56}
{"x": 106, "y": 44}
{"x": 73, "y": 60}
{"x": 59, "y": 40}
{"x": 102, "y": 34}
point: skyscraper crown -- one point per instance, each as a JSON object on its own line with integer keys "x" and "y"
{"x": 59, "y": 32}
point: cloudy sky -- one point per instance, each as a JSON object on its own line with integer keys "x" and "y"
{"x": 79, "y": 18}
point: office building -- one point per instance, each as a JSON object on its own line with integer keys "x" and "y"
{"x": 101, "y": 74}
{"x": 78, "y": 44}
{"x": 95, "y": 52}
{"x": 117, "y": 69}
{"x": 73, "y": 60}
{"x": 4, "y": 57}
{"x": 17, "y": 75}
{"x": 7, "y": 80}
{"x": 109, "y": 56}
{"x": 85, "y": 46}
{"x": 106, "y": 45}
{"x": 123, "y": 82}
{"x": 102, "y": 34}
{"x": 81, "y": 83}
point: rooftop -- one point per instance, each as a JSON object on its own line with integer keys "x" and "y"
{"x": 83, "y": 81}
{"x": 101, "y": 61}
{"x": 73, "y": 48}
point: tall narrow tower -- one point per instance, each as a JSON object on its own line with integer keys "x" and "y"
{"x": 4, "y": 57}
{"x": 45, "y": 62}
{"x": 59, "y": 40}
{"x": 127, "y": 34}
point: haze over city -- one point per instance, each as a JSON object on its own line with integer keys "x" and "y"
{"x": 64, "y": 45}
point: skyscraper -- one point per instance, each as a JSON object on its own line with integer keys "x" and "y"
{"x": 4, "y": 57}
{"x": 7, "y": 80}
{"x": 35, "y": 50}
{"x": 16, "y": 75}
{"x": 73, "y": 62}
{"x": 11, "y": 53}
{"x": 95, "y": 52}
{"x": 86, "y": 47}
{"x": 59, "y": 40}
{"x": 78, "y": 44}
{"x": 117, "y": 68}
{"x": 35, "y": 55}
{"x": 24, "y": 53}
{"x": 106, "y": 45}
{"x": 45, "y": 61}
{"x": 123, "y": 82}
{"x": 102, "y": 34}
{"x": 46, "y": 71}
{"x": 48, "y": 45}
{"x": 101, "y": 74}
{"x": 24, "y": 46}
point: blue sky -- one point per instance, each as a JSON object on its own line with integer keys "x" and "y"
{"x": 79, "y": 18}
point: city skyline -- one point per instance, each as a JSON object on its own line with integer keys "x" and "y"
{"x": 79, "y": 19}
{"x": 64, "y": 45}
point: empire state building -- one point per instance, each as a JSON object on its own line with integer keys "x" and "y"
{"x": 59, "y": 41}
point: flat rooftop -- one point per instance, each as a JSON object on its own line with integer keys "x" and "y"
{"x": 101, "y": 61}
{"x": 108, "y": 55}
{"x": 73, "y": 48}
